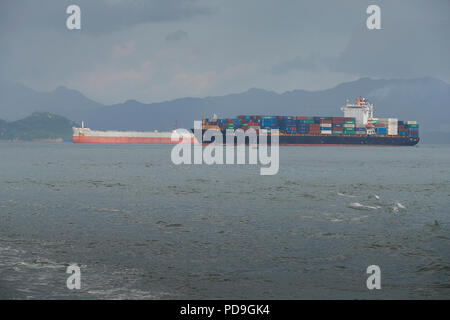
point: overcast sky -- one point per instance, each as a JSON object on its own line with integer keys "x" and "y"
{"x": 159, "y": 50}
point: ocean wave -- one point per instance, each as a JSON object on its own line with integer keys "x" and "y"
{"x": 397, "y": 207}
{"x": 359, "y": 206}
{"x": 345, "y": 195}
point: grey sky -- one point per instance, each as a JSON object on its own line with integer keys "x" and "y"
{"x": 158, "y": 50}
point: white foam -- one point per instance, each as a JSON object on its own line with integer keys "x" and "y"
{"x": 345, "y": 195}
{"x": 358, "y": 205}
{"x": 400, "y": 205}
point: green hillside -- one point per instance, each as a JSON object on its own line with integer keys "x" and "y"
{"x": 39, "y": 125}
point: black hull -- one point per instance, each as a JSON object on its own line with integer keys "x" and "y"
{"x": 336, "y": 140}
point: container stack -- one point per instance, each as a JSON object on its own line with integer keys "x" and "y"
{"x": 269, "y": 122}
{"x": 288, "y": 124}
{"x": 338, "y": 125}
{"x": 326, "y": 125}
{"x": 349, "y": 125}
{"x": 391, "y": 125}
{"x": 413, "y": 129}
{"x": 402, "y": 128}
{"x": 302, "y": 128}
{"x": 314, "y": 128}
{"x": 320, "y": 125}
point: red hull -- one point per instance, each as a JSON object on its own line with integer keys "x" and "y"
{"x": 127, "y": 140}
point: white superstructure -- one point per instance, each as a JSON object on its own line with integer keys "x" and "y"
{"x": 362, "y": 111}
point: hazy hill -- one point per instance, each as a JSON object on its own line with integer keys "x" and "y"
{"x": 18, "y": 101}
{"x": 425, "y": 99}
{"x": 39, "y": 125}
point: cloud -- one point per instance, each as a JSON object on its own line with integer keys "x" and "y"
{"x": 237, "y": 45}
{"x": 404, "y": 51}
{"x": 413, "y": 42}
{"x": 195, "y": 83}
{"x": 97, "y": 17}
{"x": 176, "y": 36}
{"x": 122, "y": 50}
{"x": 310, "y": 63}
{"x": 110, "y": 78}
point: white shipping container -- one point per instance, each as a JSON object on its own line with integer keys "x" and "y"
{"x": 325, "y": 131}
{"x": 411, "y": 122}
{"x": 392, "y": 131}
{"x": 386, "y": 119}
{"x": 325, "y": 124}
{"x": 392, "y": 127}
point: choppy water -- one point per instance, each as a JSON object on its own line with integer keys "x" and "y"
{"x": 143, "y": 228}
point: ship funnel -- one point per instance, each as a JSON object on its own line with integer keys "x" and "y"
{"x": 82, "y": 124}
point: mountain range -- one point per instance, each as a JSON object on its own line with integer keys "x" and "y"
{"x": 426, "y": 100}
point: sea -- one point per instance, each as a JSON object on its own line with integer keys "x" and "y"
{"x": 140, "y": 227}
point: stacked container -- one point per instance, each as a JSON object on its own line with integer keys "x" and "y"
{"x": 314, "y": 128}
{"x": 413, "y": 129}
{"x": 319, "y": 125}
{"x": 269, "y": 122}
{"x": 391, "y": 124}
{"x": 381, "y": 130}
{"x": 402, "y": 128}
{"x": 302, "y": 128}
{"x": 349, "y": 125}
{"x": 326, "y": 126}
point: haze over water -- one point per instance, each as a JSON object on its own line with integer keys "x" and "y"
{"x": 142, "y": 228}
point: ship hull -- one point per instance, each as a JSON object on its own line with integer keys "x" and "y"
{"x": 333, "y": 140}
{"x": 86, "y": 135}
{"x": 82, "y": 135}
{"x": 124, "y": 140}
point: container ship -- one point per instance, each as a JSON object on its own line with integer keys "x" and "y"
{"x": 358, "y": 127}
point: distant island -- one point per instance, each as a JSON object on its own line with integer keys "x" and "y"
{"x": 40, "y": 126}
